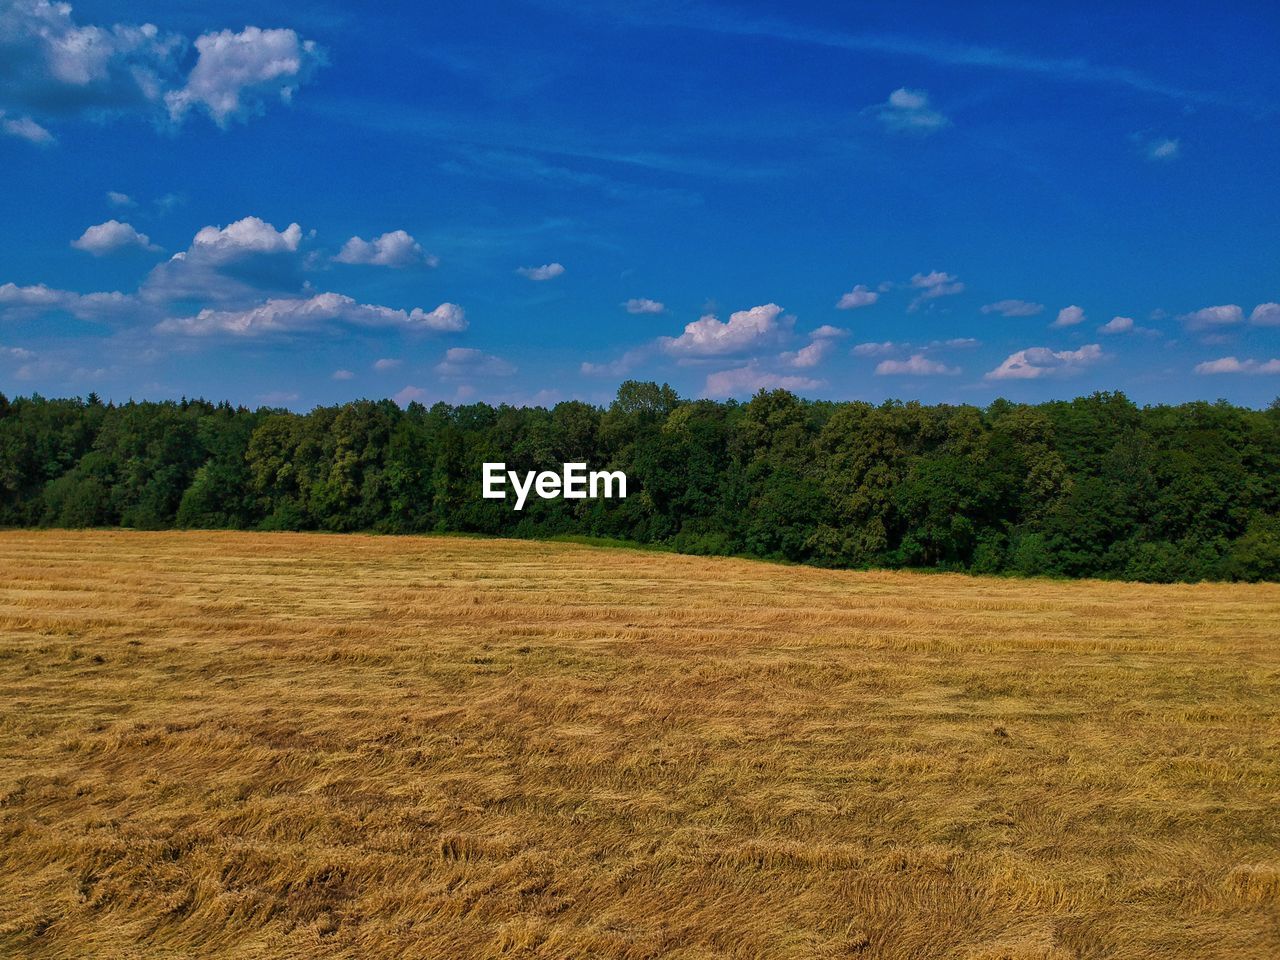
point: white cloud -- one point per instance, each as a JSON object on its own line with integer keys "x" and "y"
{"x": 16, "y": 353}
{"x": 1014, "y": 308}
{"x": 24, "y": 128}
{"x": 909, "y": 111}
{"x": 343, "y": 375}
{"x": 38, "y": 299}
{"x": 744, "y": 330}
{"x": 386, "y": 363}
{"x": 236, "y": 72}
{"x": 1117, "y": 325}
{"x": 118, "y": 199}
{"x": 243, "y": 238}
{"x": 915, "y": 365}
{"x": 394, "y": 249}
{"x": 1164, "y": 149}
{"x": 859, "y": 296}
{"x": 808, "y": 356}
{"x": 446, "y": 318}
{"x": 231, "y": 266}
{"x": 933, "y": 285}
{"x": 111, "y": 236}
{"x": 742, "y": 381}
{"x": 644, "y": 305}
{"x": 411, "y": 394}
{"x": 1232, "y": 365}
{"x": 828, "y": 331}
{"x": 468, "y": 361}
{"x": 1069, "y": 317}
{"x": 1266, "y": 315}
{"x": 1223, "y": 315}
{"x": 285, "y": 315}
{"x": 875, "y": 349}
{"x": 56, "y": 67}
{"x": 616, "y": 368}
{"x": 548, "y": 271}
{"x": 1037, "y": 362}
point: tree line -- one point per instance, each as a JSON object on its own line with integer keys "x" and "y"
{"x": 1091, "y": 487}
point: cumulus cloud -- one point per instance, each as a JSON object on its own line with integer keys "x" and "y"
{"x": 232, "y": 265}
{"x": 111, "y": 236}
{"x": 243, "y": 238}
{"x": 548, "y": 271}
{"x": 933, "y": 285}
{"x": 1069, "y": 317}
{"x": 411, "y": 394}
{"x": 38, "y": 299}
{"x": 808, "y": 356}
{"x": 60, "y": 67}
{"x": 118, "y": 199}
{"x": 1233, "y": 365}
{"x": 746, "y": 380}
{"x": 1038, "y": 362}
{"x": 1266, "y": 315}
{"x": 644, "y": 305}
{"x": 909, "y": 111}
{"x": 1223, "y": 315}
{"x": 16, "y": 353}
{"x": 385, "y": 363}
{"x": 616, "y": 368}
{"x": 343, "y": 375}
{"x": 1163, "y": 149}
{"x": 1117, "y": 325}
{"x": 287, "y": 315}
{"x": 827, "y": 330}
{"x": 57, "y": 67}
{"x": 24, "y": 128}
{"x": 859, "y": 296}
{"x": 916, "y": 365}
{"x": 468, "y": 361}
{"x": 394, "y": 249}
{"x": 743, "y": 331}
{"x": 1014, "y": 308}
{"x": 446, "y": 318}
{"x": 236, "y": 72}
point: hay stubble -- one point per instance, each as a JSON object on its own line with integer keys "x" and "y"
{"x": 250, "y": 745}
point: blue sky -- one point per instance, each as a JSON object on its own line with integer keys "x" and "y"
{"x": 528, "y": 202}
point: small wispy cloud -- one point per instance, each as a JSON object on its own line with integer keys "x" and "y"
{"x": 1234, "y": 365}
{"x": 1069, "y": 317}
{"x": 916, "y": 365}
{"x": 909, "y": 111}
{"x": 1014, "y": 308}
{"x": 933, "y": 285}
{"x": 548, "y": 271}
{"x": 644, "y": 305}
{"x": 1117, "y": 325}
{"x": 468, "y": 361}
{"x": 859, "y": 296}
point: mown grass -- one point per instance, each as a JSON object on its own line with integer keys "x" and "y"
{"x": 291, "y": 745}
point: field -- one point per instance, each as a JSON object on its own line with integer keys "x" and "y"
{"x": 292, "y": 745}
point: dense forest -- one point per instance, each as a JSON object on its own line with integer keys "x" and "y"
{"x": 1095, "y": 486}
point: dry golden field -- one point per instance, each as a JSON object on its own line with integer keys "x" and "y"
{"x": 289, "y": 745}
